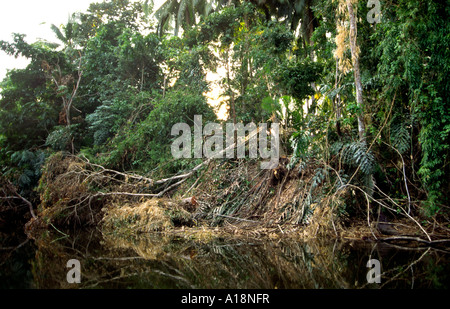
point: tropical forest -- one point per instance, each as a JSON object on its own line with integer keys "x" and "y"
{"x": 353, "y": 98}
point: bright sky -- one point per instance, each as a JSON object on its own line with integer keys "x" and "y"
{"x": 34, "y": 18}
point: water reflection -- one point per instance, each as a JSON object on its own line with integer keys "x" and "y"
{"x": 161, "y": 261}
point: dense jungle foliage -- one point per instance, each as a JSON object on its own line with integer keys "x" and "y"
{"x": 364, "y": 102}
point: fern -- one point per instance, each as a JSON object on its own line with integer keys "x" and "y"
{"x": 400, "y": 136}
{"x": 318, "y": 177}
{"x": 355, "y": 154}
{"x": 307, "y": 211}
{"x": 27, "y": 167}
{"x": 60, "y": 138}
{"x": 336, "y": 147}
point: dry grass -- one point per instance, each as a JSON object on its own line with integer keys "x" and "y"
{"x": 61, "y": 187}
{"x": 243, "y": 200}
{"x": 144, "y": 217}
{"x": 148, "y": 216}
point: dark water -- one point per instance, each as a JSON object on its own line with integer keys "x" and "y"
{"x": 154, "y": 261}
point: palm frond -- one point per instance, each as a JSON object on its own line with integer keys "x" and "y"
{"x": 400, "y": 136}
{"x": 356, "y": 154}
{"x": 181, "y": 11}
{"x": 58, "y": 33}
{"x": 165, "y": 9}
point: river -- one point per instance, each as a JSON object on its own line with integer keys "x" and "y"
{"x": 157, "y": 261}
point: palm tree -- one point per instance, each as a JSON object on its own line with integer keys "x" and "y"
{"x": 356, "y": 70}
{"x": 295, "y": 12}
{"x": 68, "y": 35}
{"x": 182, "y": 13}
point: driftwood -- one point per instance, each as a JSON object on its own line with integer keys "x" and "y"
{"x": 415, "y": 239}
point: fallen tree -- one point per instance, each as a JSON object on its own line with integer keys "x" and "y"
{"x": 74, "y": 190}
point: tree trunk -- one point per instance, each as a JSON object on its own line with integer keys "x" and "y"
{"x": 142, "y": 76}
{"x": 356, "y": 72}
{"x": 337, "y": 101}
{"x": 232, "y": 103}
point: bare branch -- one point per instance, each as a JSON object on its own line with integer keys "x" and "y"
{"x": 18, "y": 196}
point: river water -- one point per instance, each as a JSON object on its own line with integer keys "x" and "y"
{"x": 154, "y": 261}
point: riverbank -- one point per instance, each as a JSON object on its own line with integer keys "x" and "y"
{"x": 224, "y": 225}
{"x": 225, "y": 197}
